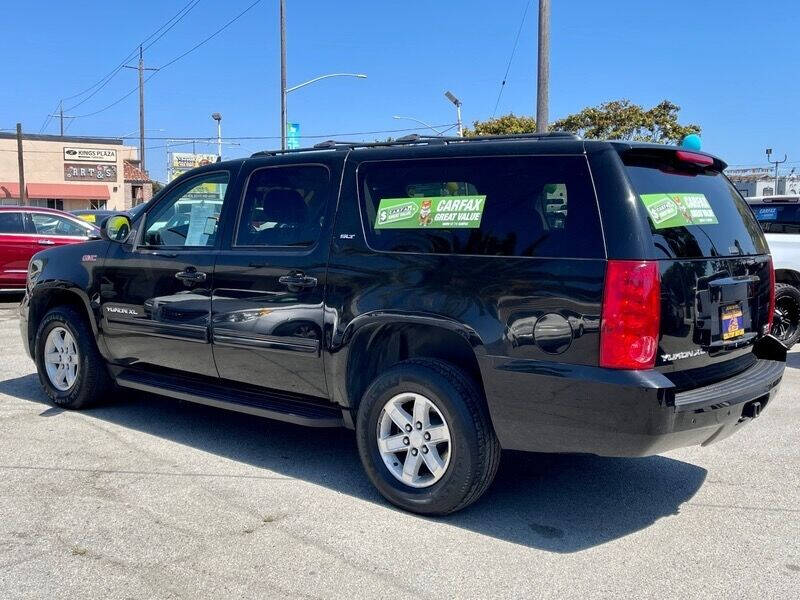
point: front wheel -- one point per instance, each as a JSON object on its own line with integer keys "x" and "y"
{"x": 425, "y": 437}
{"x": 71, "y": 370}
{"x": 786, "y": 321}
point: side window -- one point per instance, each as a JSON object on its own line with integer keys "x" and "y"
{"x": 500, "y": 206}
{"x": 189, "y": 216}
{"x": 11, "y": 222}
{"x": 46, "y": 224}
{"x": 283, "y": 206}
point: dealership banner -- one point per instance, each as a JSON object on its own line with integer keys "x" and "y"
{"x": 73, "y": 154}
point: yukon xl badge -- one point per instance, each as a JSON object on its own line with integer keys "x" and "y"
{"x": 681, "y": 355}
{"x": 123, "y": 310}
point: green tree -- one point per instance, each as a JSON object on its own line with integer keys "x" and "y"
{"x": 618, "y": 119}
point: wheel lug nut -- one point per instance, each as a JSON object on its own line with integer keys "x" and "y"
{"x": 424, "y": 449}
{"x": 414, "y": 451}
{"x": 419, "y": 425}
{"x": 408, "y": 427}
{"x": 405, "y": 441}
{"x": 427, "y": 436}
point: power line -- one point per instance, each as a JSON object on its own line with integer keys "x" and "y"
{"x": 213, "y": 140}
{"x": 511, "y": 58}
{"x": 170, "y": 62}
{"x": 109, "y": 76}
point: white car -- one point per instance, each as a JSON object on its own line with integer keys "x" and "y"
{"x": 780, "y": 219}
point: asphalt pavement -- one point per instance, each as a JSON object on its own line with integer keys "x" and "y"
{"x": 148, "y": 497}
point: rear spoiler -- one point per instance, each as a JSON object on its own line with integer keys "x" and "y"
{"x": 670, "y": 155}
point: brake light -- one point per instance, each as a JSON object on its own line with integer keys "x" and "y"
{"x": 631, "y": 315}
{"x": 694, "y": 158}
{"x": 771, "y": 314}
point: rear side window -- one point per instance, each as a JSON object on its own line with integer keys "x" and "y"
{"x": 11, "y": 222}
{"x": 778, "y": 218}
{"x": 497, "y": 206}
{"x": 283, "y": 206}
{"x": 693, "y": 212}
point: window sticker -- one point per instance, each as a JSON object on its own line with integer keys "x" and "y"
{"x": 767, "y": 213}
{"x": 436, "y": 212}
{"x": 678, "y": 210}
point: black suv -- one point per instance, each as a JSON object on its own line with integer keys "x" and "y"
{"x": 445, "y": 298}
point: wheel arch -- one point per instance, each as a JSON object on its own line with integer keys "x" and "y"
{"x": 788, "y": 276}
{"x": 45, "y": 298}
{"x": 376, "y": 342}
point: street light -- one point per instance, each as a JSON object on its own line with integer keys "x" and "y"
{"x": 286, "y": 91}
{"x": 457, "y": 102}
{"x": 429, "y": 126}
{"x": 218, "y": 118}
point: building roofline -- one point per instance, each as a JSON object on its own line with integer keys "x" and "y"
{"x": 72, "y": 139}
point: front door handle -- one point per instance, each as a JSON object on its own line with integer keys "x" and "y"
{"x": 297, "y": 280}
{"x": 47, "y": 243}
{"x": 191, "y": 275}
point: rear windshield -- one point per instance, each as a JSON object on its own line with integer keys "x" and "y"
{"x": 693, "y": 212}
{"x": 783, "y": 218}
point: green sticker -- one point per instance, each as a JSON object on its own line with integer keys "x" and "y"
{"x": 678, "y": 210}
{"x": 435, "y": 212}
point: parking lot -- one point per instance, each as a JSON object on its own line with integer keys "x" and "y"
{"x": 146, "y": 497}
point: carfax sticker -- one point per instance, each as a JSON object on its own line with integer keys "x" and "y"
{"x": 678, "y": 210}
{"x": 436, "y": 212}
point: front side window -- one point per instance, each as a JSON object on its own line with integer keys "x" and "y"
{"x": 189, "y": 216}
{"x": 46, "y": 224}
{"x": 11, "y": 222}
{"x": 283, "y": 206}
{"x": 496, "y": 206}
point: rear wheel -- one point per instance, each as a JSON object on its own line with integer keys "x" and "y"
{"x": 786, "y": 321}
{"x": 425, "y": 437}
{"x": 71, "y": 370}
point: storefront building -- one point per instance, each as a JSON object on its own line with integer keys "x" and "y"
{"x": 69, "y": 172}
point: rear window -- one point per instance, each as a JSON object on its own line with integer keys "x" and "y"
{"x": 693, "y": 212}
{"x": 498, "y": 206}
{"x": 780, "y": 218}
{"x": 11, "y": 222}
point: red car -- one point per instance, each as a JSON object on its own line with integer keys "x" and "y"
{"x": 24, "y": 230}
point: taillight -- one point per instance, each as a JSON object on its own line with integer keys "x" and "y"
{"x": 631, "y": 315}
{"x": 771, "y": 314}
{"x": 694, "y": 158}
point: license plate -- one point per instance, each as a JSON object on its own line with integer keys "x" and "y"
{"x": 732, "y": 322}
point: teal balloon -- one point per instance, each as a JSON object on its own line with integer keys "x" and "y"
{"x": 692, "y": 142}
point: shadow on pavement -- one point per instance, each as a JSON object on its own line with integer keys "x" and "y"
{"x": 793, "y": 360}
{"x": 557, "y": 503}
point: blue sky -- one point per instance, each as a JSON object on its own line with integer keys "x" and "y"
{"x": 731, "y": 66}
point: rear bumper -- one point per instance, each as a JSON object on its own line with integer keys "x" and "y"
{"x": 578, "y": 409}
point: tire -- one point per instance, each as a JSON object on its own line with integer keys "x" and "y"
{"x": 91, "y": 380}
{"x": 470, "y": 456}
{"x": 786, "y": 321}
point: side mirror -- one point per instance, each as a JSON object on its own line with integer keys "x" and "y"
{"x": 116, "y": 228}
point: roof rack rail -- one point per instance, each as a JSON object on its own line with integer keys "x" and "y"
{"x": 416, "y": 138}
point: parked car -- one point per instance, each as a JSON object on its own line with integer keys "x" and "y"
{"x": 96, "y": 216}
{"x": 24, "y": 230}
{"x": 780, "y": 219}
{"x": 445, "y": 298}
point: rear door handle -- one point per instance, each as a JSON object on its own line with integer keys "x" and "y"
{"x": 47, "y": 243}
{"x": 297, "y": 280}
{"x": 191, "y": 276}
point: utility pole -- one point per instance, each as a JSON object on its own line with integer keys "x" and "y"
{"x": 22, "y": 194}
{"x": 218, "y": 118}
{"x": 283, "y": 74}
{"x": 776, "y": 163}
{"x": 543, "y": 77}
{"x": 61, "y": 116}
{"x": 141, "y": 68}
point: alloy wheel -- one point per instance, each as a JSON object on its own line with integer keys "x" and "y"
{"x": 414, "y": 440}
{"x": 61, "y": 358}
